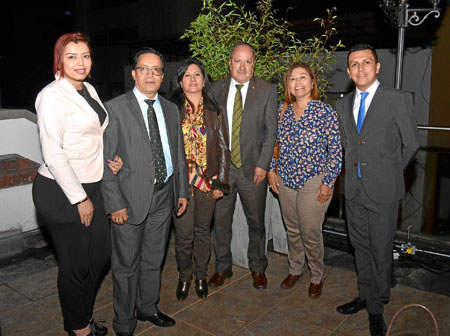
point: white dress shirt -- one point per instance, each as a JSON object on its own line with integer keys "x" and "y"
{"x": 371, "y": 92}
{"x": 161, "y": 126}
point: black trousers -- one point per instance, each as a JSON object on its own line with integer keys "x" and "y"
{"x": 82, "y": 252}
{"x": 193, "y": 236}
{"x": 371, "y": 228}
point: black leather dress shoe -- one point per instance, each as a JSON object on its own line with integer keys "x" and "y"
{"x": 183, "y": 289}
{"x": 377, "y": 325}
{"x": 201, "y": 287}
{"x": 159, "y": 319}
{"x": 124, "y": 334}
{"x": 352, "y": 307}
{"x": 97, "y": 329}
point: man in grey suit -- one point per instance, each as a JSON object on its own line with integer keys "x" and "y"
{"x": 379, "y": 136}
{"x": 145, "y": 132}
{"x": 251, "y": 105}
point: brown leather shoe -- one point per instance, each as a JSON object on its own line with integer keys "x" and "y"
{"x": 315, "y": 290}
{"x": 259, "y": 280}
{"x": 218, "y": 278}
{"x": 290, "y": 281}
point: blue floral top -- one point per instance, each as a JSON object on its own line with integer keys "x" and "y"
{"x": 309, "y": 146}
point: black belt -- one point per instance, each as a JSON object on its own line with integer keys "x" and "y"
{"x": 160, "y": 186}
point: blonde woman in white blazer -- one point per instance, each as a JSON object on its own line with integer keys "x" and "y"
{"x": 67, "y": 189}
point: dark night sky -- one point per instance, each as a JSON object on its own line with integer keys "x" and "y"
{"x": 28, "y": 34}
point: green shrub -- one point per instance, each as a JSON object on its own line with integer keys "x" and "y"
{"x": 218, "y": 28}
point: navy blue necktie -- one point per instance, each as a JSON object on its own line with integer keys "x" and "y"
{"x": 359, "y": 123}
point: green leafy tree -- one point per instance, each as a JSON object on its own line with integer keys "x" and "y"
{"x": 218, "y": 28}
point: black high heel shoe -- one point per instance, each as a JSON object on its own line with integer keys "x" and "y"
{"x": 97, "y": 329}
{"x": 201, "y": 287}
{"x": 183, "y": 289}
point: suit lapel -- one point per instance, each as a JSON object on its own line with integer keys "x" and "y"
{"x": 135, "y": 111}
{"x": 222, "y": 96}
{"x": 223, "y": 93}
{"x": 251, "y": 94}
{"x": 167, "y": 119}
{"x": 169, "y": 129}
{"x": 373, "y": 108}
{"x": 349, "y": 111}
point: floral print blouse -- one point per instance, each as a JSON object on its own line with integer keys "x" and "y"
{"x": 309, "y": 146}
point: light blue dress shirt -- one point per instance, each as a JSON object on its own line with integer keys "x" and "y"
{"x": 161, "y": 125}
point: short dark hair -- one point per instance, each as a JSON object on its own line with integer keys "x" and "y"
{"x": 147, "y": 50}
{"x": 362, "y": 46}
{"x": 239, "y": 44}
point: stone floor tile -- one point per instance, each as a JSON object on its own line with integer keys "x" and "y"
{"x": 320, "y": 311}
{"x": 11, "y": 299}
{"x": 412, "y": 327}
{"x": 107, "y": 281}
{"x": 220, "y": 315}
{"x": 104, "y": 297}
{"x": 59, "y": 331}
{"x": 22, "y": 268}
{"x": 37, "y": 285}
{"x": 52, "y": 304}
{"x": 272, "y": 256}
{"x": 443, "y": 328}
{"x": 346, "y": 291}
{"x": 355, "y": 325}
{"x": 180, "y": 329}
{"x": 31, "y": 319}
{"x": 266, "y": 298}
{"x": 278, "y": 323}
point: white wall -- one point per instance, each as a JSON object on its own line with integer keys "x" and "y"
{"x": 17, "y": 209}
{"x": 18, "y": 135}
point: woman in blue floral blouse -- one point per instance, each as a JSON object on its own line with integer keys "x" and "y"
{"x": 310, "y": 160}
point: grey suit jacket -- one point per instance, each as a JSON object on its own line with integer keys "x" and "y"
{"x": 385, "y": 146}
{"x": 259, "y": 122}
{"x": 127, "y": 136}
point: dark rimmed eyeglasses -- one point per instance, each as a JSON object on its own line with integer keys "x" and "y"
{"x": 145, "y": 70}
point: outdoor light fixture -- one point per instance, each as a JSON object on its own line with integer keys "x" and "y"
{"x": 401, "y": 16}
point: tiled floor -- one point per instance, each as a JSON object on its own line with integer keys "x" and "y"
{"x": 29, "y": 306}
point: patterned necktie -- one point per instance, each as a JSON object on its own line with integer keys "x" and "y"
{"x": 359, "y": 123}
{"x": 155, "y": 140}
{"x": 236, "y": 128}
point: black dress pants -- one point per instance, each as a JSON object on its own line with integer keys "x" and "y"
{"x": 193, "y": 236}
{"x": 82, "y": 252}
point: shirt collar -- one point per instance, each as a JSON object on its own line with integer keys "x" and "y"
{"x": 141, "y": 97}
{"x": 234, "y": 83}
{"x": 371, "y": 89}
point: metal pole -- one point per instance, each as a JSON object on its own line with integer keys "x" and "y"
{"x": 401, "y": 42}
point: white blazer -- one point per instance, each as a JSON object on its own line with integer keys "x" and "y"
{"x": 71, "y": 137}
